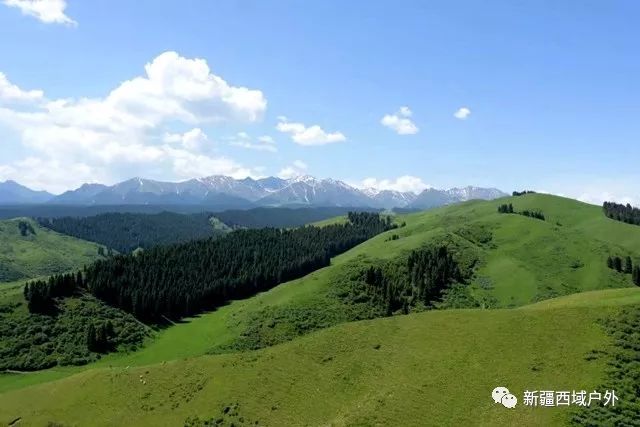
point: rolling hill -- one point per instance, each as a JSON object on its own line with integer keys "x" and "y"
{"x": 38, "y": 251}
{"x": 539, "y": 292}
{"x": 405, "y": 370}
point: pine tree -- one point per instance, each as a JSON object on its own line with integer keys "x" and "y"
{"x": 628, "y": 265}
{"x": 636, "y": 275}
{"x": 91, "y": 338}
{"x": 617, "y": 264}
{"x": 610, "y": 262}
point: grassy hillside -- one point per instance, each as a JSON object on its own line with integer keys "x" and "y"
{"x": 39, "y": 251}
{"x": 404, "y": 370}
{"x": 517, "y": 262}
{"x": 506, "y": 275}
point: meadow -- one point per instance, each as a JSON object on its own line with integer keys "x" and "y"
{"x": 542, "y": 291}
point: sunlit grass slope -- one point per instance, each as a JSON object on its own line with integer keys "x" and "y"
{"x": 432, "y": 368}
{"x": 40, "y": 253}
{"x": 527, "y": 260}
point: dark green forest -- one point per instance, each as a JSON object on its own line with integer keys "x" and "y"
{"x": 125, "y": 232}
{"x": 508, "y": 209}
{"x": 522, "y": 193}
{"x": 280, "y": 217}
{"x": 421, "y": 281}
{"x": 619, "y": 212}
{"x": 179, "y": 280}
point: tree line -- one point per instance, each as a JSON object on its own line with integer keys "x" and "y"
{"x": 505, "y": 208}
{"x": 125, "y": 232}
{"x": 626, "y": 266}
{"x": 619, "y": 212}
{"x": 508, "y": 208}
{"x": 522, "y": 193}
{"x": 41, "y": 294}
{"x": 183, "y": 279}
{"x": 25, "y": 228}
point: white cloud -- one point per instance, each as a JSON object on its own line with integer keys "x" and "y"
{"x": 400, "y": 122}
{"x": 264, "y": 143}
{"x": 312, "y": 135}
{"x": 405, "y": 183}
{"x": 186, "y": 165}
{"x": 193, "y": 140}
{"x": 300, "y": 165}
{"x": 12, "y": 94}
{"x": 595, "y": 189}
{"x": 598, "y": 198}
{"x": 125, "y": 126}
{"x": 296, "y": 169}
{"x": 47, "y": 11}
{"x": 462, "y": 113}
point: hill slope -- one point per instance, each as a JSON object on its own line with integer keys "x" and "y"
{"x": 403, "y": 370}
{"x": 36, "y": 251}
{"x": 517, "y": 260}
{"x": 516, "y": 267}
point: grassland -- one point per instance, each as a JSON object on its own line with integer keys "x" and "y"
{"x": 40, "y": 253}
{"x": 527, "y": 260}
{"x": 435, "y": 368}
{"x": 404, "y": 370}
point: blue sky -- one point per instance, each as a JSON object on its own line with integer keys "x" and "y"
{"x": 552, "y": 91}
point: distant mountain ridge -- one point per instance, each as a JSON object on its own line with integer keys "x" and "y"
{"x": 220, "y": 191}
{"x": 13, "y": 193}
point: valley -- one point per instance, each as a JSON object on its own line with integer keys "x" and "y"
{"x": 326, "y": 337}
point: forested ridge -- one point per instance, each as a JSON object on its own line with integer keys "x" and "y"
{"x": 281, "y": 217}
{"x": 125, "y": 232}
{"x": 179, "y": 280}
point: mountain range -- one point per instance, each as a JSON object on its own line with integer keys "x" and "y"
{"x": 225, "y": 192}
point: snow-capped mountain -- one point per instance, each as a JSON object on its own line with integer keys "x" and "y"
{"x": 223, "y": 192}
{"x": 431, "y": 197}
{"x": 388, "y": 199}
{"x": 473, "y": 193}
{"x": 307, "y": 190}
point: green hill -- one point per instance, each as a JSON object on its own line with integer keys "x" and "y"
{"x": 432, "y": 368}
{"x": 29, "y": 250}
{"x": 435, "y": 367}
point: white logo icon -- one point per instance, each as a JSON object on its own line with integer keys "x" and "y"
{"x": 502, "y": 395}
{"x": 509, "y": 401}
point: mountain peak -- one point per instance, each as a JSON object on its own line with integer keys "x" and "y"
{"x": 308, "y": 179}
{"x": 225, "y": 191}
{"x": 12, "y": 192}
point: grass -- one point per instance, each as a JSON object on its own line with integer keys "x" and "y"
{"x": 404, "y": 370}
{"x": 401, "y": 370}
{"x": 331, "y": 221}
{"x": 41, "y": 253}
{"x": 507, "y": 274}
